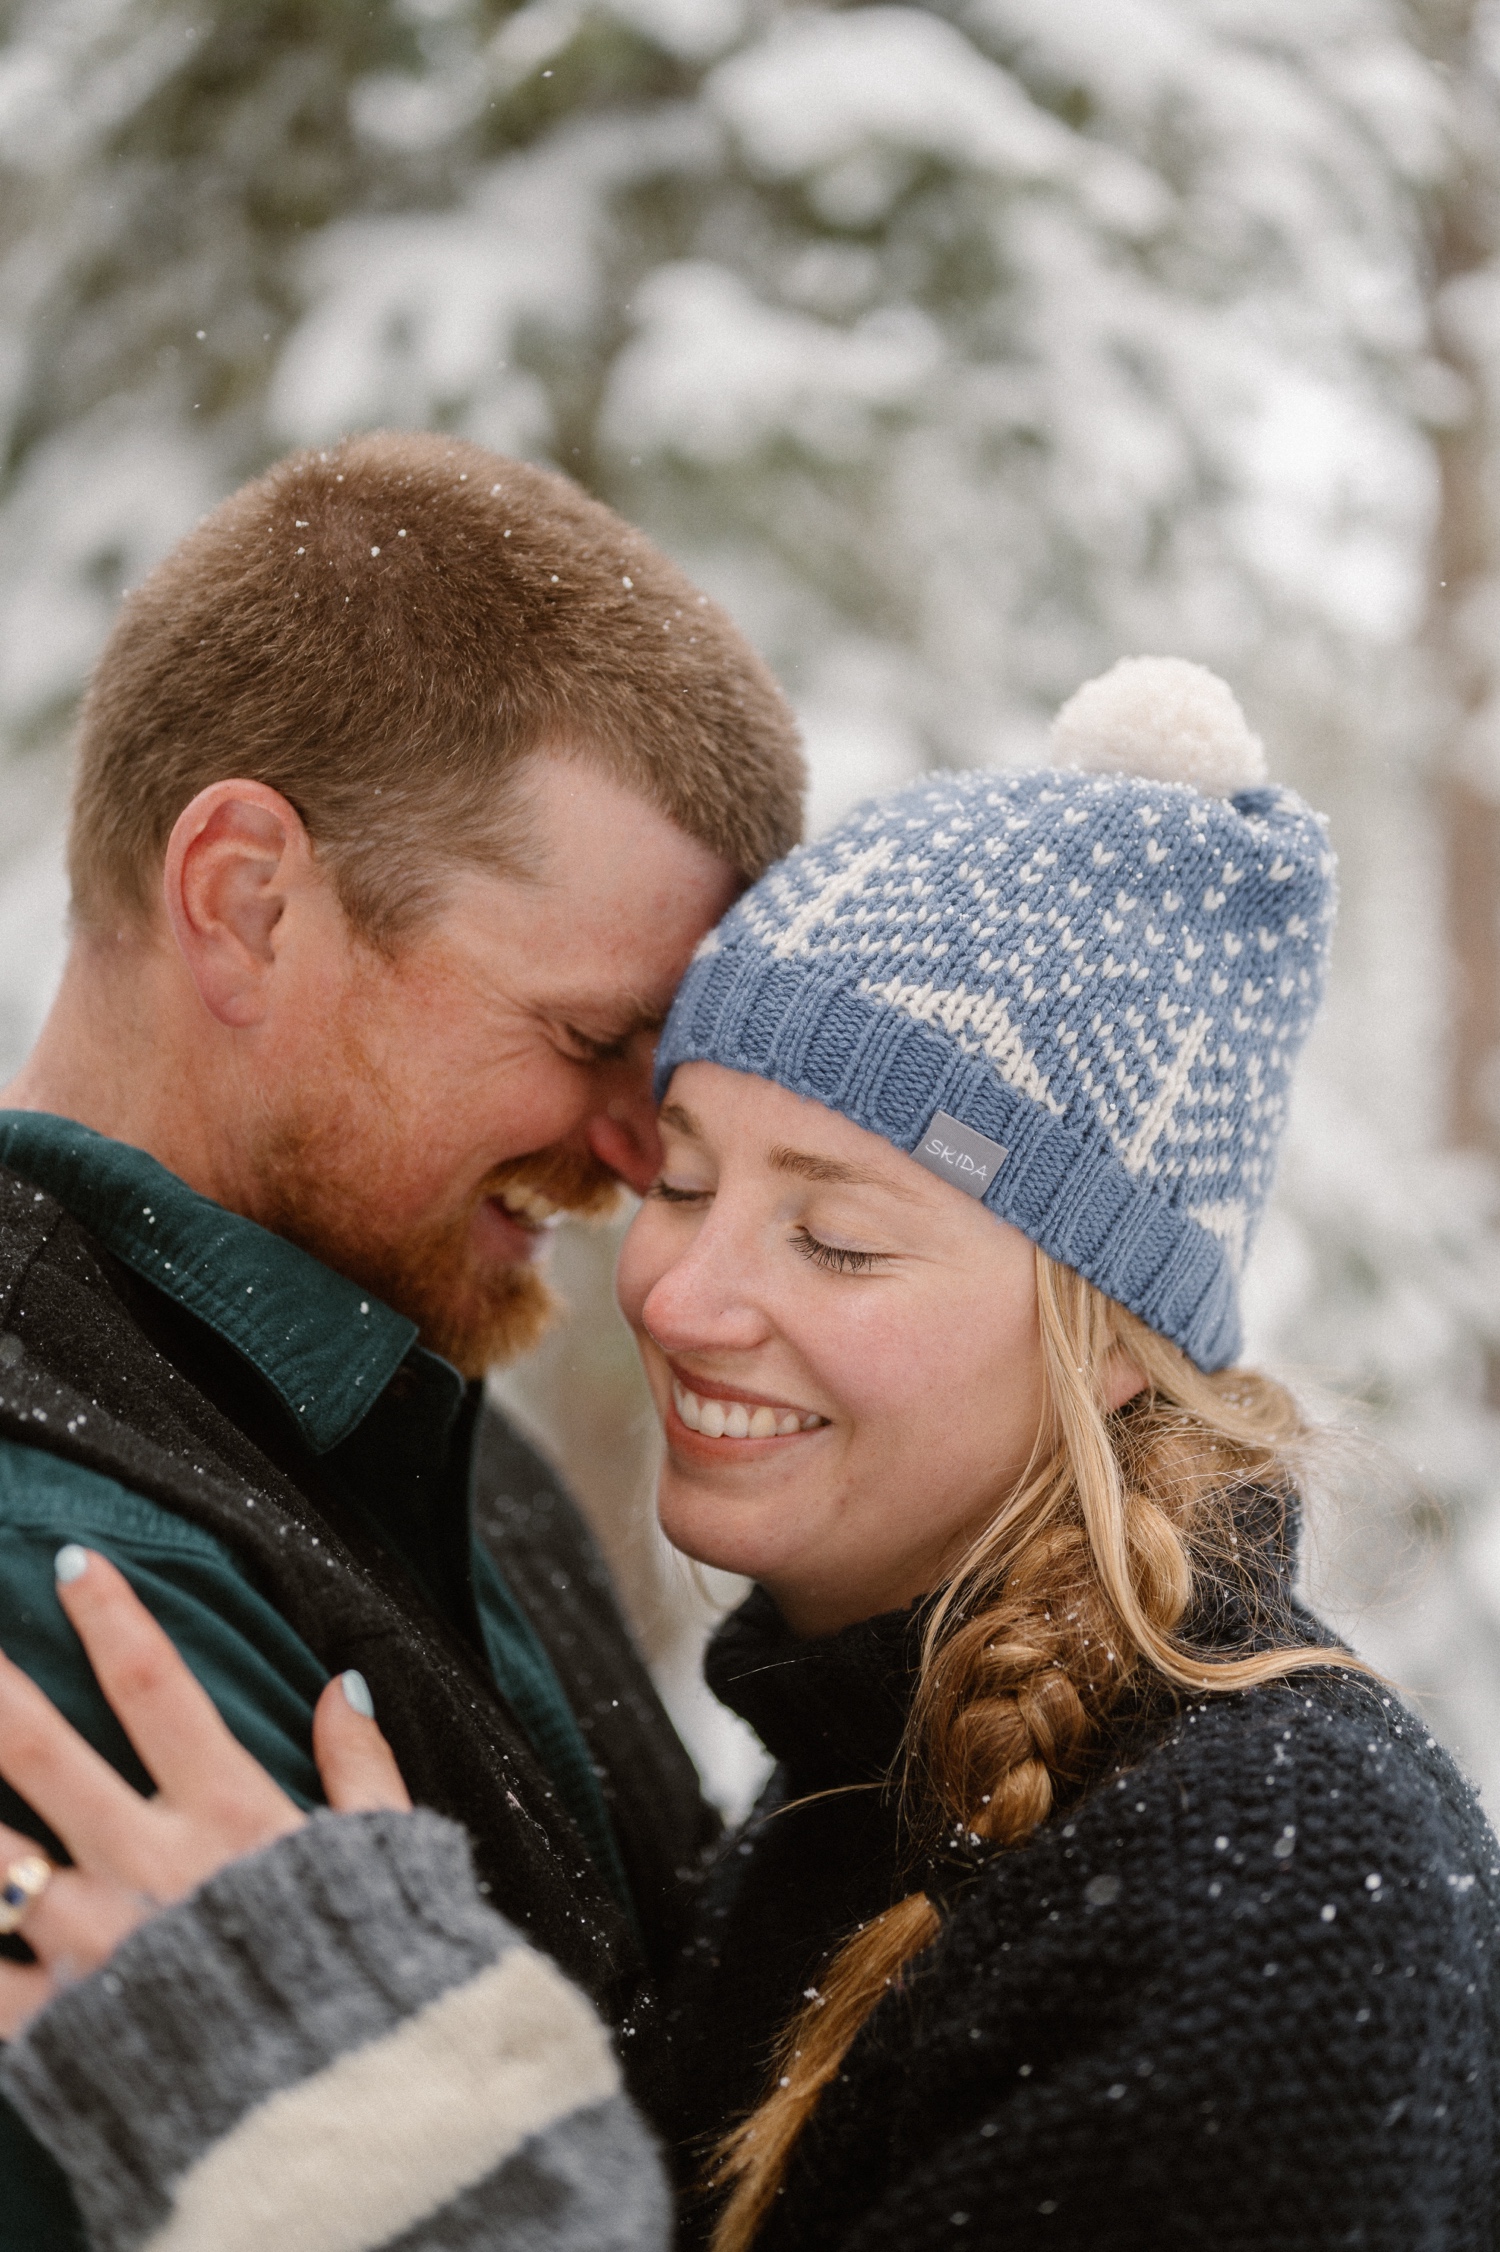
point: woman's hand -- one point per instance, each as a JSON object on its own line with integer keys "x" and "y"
{"x": 213, "y": 1802}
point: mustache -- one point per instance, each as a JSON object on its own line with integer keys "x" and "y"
{"x": 574, "y": 1180}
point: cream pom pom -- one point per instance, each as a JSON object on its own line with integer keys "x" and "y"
{"x": 1165, "y": 719}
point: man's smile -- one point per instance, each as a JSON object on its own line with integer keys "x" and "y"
{"x": 507, "y": 1236}
{"x": 528, "y": 1205}
{"x": 518, "y": 1214}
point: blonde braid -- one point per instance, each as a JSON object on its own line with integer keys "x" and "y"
{"x": 1076, "y": 1587}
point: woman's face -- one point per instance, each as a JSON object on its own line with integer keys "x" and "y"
{"x": 843, "y": 1349}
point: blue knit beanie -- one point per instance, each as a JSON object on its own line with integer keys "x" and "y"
{"x": 1077, "y": 993}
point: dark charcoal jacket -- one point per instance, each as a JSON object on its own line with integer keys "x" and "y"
{"x": 100, "y": 1368}
{"x": 1240, "y": 1996}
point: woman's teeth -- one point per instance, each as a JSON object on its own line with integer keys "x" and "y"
{"x": 529, "y": 1204}
{"x": 737, "y": 1419}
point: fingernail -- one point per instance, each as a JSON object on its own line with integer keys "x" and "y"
{"x": 70, "y": 1563}
{"x": 357, "y": 1691}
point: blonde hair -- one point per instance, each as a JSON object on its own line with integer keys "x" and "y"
{"x": 1076, "y": 1588}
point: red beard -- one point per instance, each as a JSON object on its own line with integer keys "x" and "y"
{"x": 323, "y": 1194}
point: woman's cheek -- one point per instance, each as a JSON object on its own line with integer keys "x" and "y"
{"x": 893, "y": 1356}
{"x": 878, "y": 1386}
{"x": 924, "y": 1403}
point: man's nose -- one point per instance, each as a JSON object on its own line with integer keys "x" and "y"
{"x": 623, "y": 1135}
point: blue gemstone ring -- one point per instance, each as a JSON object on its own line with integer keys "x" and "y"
{"x": 21, "y": 1887}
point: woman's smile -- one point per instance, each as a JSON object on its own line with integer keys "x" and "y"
{"x": 722, "y": 1411}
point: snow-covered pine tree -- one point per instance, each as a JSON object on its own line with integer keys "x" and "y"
{"x": 960, "y": 348}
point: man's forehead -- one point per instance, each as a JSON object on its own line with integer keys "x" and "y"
{"x": 610, "y": 936}
{"x": 561, "y": 966}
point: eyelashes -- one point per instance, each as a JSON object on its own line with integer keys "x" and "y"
{"x": 585, "y": 1049}
{"x": 833, "y": 1258}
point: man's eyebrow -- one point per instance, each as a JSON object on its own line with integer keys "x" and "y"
{"x": 808, "y": 1167}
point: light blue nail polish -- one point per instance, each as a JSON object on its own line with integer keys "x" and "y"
{"x": 357, "y": 1690}
{"x": 70, "y": 1563}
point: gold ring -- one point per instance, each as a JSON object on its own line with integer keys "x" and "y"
{"x": 21, "y": 1887}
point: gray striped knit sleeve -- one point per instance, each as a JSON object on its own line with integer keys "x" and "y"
{"x": 335, "y": 2045}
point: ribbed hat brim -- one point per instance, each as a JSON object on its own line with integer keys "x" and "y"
{"x": 820, "y": 1037}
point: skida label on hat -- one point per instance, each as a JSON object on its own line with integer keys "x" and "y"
{"x": 956, "y": 1153}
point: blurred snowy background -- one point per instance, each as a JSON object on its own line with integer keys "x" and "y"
{"x": 959, "y": 349}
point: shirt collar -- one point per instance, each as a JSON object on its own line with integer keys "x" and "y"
{"x": 325, "y": 1347}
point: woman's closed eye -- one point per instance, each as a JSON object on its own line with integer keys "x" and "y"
{"x": 670, "y": 1192}
{"x": 837, "y": 1258}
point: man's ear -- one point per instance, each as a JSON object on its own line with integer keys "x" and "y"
{"x": 235, "y": 859}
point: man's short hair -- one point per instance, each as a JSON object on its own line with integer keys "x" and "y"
{"x": 383, "y": 631}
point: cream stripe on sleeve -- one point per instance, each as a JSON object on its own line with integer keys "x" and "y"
{"x": 388, "y": 2133}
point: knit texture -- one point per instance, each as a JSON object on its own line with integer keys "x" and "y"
{"x": 333, "y": 2045}
{"x": 1107, "y": 977}
{"x": 1240, "y": 1991}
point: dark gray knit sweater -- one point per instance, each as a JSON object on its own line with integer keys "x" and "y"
{"x": 1241, "y": 1995}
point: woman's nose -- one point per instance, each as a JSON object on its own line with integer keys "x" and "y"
{"x": 704, "y": 1301}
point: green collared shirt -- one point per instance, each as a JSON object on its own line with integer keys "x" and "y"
{"x": 388, "y": 1421}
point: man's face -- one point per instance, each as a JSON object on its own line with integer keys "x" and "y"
{"x": 418, "y": 1121}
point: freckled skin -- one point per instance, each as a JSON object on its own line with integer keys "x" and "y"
{"x": 248, "y": 1023}
{"x": 927, "y": 1365}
